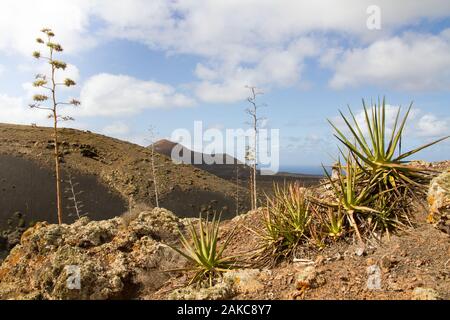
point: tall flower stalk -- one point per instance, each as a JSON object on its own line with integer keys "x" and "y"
{"x": 49, "y": 101}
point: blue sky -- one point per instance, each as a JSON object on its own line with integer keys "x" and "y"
{"x": 169, "y": 63}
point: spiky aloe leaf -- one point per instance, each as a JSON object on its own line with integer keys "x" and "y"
{"x": 203, "y": 252}
{"x": 377, "y": 151}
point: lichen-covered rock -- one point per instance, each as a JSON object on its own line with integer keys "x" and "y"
{"x": 439, "y": 201}
{"x": 91, "y": 259}
{"x": 220, "y": 291}
{"x": 244, "y": 280}
{"x": 308, "y": 276}
{"x": 425, "y": 294}
{"x": 232, "y": 283}
{"x": 159, "y": 222}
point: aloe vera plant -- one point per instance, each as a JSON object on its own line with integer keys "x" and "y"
{"x": 334, "y": 223}
{"x": 293, "y": 208}
{"x": 353, "y": 193}
{"x": 286, "y": 222}
{"x": 391, "y": 214}
{"x": 203, "y": 251}
{"x": 378, "y": 151}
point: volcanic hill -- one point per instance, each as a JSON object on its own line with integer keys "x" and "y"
{"x": 111, "y": 175}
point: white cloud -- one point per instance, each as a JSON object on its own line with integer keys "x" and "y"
{"x": 418, "y": 125}
{"x": 116, "y": 129}
{"x": 117, "y": 95}
{"x": 20, "y": 22}
{"x": 227, "y": 81}
{"x": 254, "y": 42}
{"x": 411, "y": 62}
{"x": 241, "y": 27}
{"x": 16, "y": 110}
{"x": 429, "y": 125}
{"x": 243, "y": 42}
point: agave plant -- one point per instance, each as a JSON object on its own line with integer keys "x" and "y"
{"x": 378, "y": 151}
{"x": 293, "y": 208}
{"x": 286, "y": 222}
{"x": 334, "y": 223}
{"x": 204, "y": 253}
{"x": 391, "y": 214}
{"x": 353, "y": 193}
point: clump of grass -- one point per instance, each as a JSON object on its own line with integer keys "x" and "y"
{"x": 206, "y": 257}
{"x": 286, "y": 223}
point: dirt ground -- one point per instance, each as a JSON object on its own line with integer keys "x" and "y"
{"x": 125, "y": 169}
{"x": 28, "y": 189}
{"x": 418, "y": 257}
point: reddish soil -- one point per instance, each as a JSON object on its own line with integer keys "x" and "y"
{"x": 419, "y": 257}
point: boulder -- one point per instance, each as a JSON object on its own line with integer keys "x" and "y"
{"x": 308, "y": 277}
{"x": 220, "y": 291}
{"x": 439, "y": 201}
{"x": 244, "y": 280}
{"x": 91, "y": 259}
{"x": 232, "y": 283}
{"x": 420, "y": 293}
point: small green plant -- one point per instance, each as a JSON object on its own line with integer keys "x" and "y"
{"x": 377, "y": 152}
{"x": 286, "y": 223}
{"x": 353, "y": 191}
{"x": 376, "y": 187}
{"x": 334, "y": 223}
{"x": 292, "y": 206}
{"x": 203, "y": 251}
{"x": 391, "y": 214}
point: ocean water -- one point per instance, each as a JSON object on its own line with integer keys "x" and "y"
{"x": 313, "y": 170}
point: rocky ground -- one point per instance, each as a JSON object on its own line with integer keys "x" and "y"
{"x": 118, "y": 258}
{"x": 129, "y": 258}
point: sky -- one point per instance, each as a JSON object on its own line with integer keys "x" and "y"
{"x": 166, "y": 64}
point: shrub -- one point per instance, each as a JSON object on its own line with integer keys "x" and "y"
{"x": 286, "y": 223}
{"x": 376, "y": 184}
{"x": 371, "y": 192}
{"x": 354, "y": 193}
{"x": 206, "y": 257}
{"x": 334, "y": 223}
{"x": 375, "y": 153}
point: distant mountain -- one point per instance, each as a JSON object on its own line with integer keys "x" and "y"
{"x": 229, "y": 171}
{"x": 165, "y": 147}
{"x": 226, "y": 166}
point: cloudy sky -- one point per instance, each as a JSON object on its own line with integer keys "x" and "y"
{"x": 168, "y": 63}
